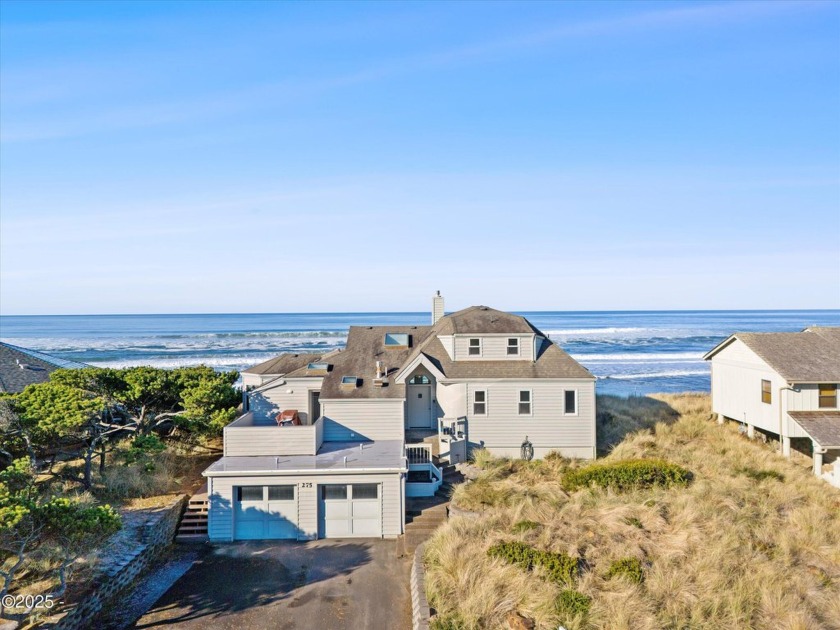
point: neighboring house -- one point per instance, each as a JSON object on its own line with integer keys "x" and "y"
{"x": 782, "y": 383}
{"x": 20, "y": 367}
{"x": 377, "y": 418}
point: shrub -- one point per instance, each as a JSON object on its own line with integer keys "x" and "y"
{"x": 631, "y": 568}
{"x": 525, "y": 526}
{"x": 760, "y": 475}
{"x": 571, "y": 604}
{"x": 481, "y": 457}
{"x": 627, "y": 475}
{"x": 559, "y": 567}
{"x": 447, "y": 622}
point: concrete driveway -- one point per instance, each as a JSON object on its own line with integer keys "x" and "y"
{"x": 322, "y": 584}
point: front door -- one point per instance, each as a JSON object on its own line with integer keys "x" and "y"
{"x": 419, "y": 406}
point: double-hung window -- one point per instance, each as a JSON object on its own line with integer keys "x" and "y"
{"x": 480, "y": 403}
{"x": 570, "y": 402}
{"x": 524, "y": 402}
{"x": 828, "y": 396}
{"x": 513, "y": 347}
{"x": 475, "y": 347}
{"x": 766, "y": 393}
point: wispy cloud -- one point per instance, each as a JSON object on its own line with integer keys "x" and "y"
{"x": 212, "y": 105}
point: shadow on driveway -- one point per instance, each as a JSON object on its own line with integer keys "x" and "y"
{"x": 318, "y": 584}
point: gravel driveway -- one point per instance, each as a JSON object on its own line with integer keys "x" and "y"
{"x": 324, "y": 584}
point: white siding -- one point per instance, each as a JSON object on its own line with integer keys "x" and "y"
{"x": 448, "y": 343}
{"x": 502, "y": 430}
{"x": 220, "y": 525}
{"x": 250, "y": 441}
{"x": 452, "y": 399}
{"x": 494, "y": 348}
{"x": 294, "y": 394}
{"x": 737, "y": 373}
{"x": 367, "y": 419}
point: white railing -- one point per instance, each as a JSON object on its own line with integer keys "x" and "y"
{"x": 419, "y": 453}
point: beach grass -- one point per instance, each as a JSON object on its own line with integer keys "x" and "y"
{"x": 752, "y": 541}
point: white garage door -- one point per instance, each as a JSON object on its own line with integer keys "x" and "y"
{"x": 349, "y": 510}
{"x": 265, "y": 512}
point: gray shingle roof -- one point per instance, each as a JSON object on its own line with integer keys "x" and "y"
{"x": 283, "y": 363}
{"x": 20, "y": 367}
{"x": 483, "y": 319}
{"x": 810, "y": 356}
{"x": 822, "y": 426}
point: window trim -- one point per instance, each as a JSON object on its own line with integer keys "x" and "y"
{"x": 530, "y": 402}
{"x": 577, "y": 402}
{"x": 768, "y": 392}
{"x": 239, "y": 489}
{"x": 821, "y": 396}
{"x": 484, "y": 402}
{"x": 516, "y": 346}
{"x": 479, "y": 347}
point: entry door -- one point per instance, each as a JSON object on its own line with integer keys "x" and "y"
{"x": 419, "y": 406}
{"x": 349, "y": 511}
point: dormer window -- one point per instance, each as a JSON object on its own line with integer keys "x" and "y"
{"x": 397, "y": 340}
{"x": 349, "y": 382}
{"x": 513, "y": 347}
{"x": 475, "y": 347}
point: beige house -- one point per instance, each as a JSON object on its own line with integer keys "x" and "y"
{"x": 379, "y": 418}
{"x": 784, "y": 384}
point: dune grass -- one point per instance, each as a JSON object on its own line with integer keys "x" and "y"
{"x": 752, "y": 542}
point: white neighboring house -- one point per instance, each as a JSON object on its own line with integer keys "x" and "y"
{"x": 784, "y": 384}
{"x": 379, "y": 417}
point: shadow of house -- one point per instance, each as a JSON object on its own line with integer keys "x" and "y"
{"x": 617, "y": 417}
{"x": 247, "y": 576}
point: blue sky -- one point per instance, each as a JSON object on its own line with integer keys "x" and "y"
{"x": 273, "y": 157}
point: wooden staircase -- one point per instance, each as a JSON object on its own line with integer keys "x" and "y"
{"x": 193, "y": 526}
{"x": 423, "y": 515}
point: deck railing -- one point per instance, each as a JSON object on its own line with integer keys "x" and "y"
{"x": 419, "y": 453}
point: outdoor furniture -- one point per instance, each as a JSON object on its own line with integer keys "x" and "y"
{"x": 288, "y": 417}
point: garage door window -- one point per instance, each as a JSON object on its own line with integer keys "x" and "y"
{"x": 333, "y": 492}
{"x": 281, "y": 493}
{"x": 251, "y": 493}
{"x": 365, "y": 491}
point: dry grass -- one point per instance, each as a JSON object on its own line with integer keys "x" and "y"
{"x": 731, "y": 550}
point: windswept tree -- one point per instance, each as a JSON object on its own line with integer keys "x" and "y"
{"x": 32, "y": 521}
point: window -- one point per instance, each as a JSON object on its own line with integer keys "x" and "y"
{"x": 475, "y": 348}
{"x": 333, "y": 492}
{"x": 570, "y": 402}
{"x": 365, "y": 491}
{"x": 250, "y": 493}
{"x": 319, "y": 368}
{"x": 281, "y": 493}
{"x": 828, "y": 396}
{"x": 766, "y": 394}
{"x": 513, "y": 346}
{"x": 525, "y": 402}
{"x": 349, "y": 382}
{"x": 396, "y": 340}
{"x": 480, "y": 403}
{"x": 419, "y": 379}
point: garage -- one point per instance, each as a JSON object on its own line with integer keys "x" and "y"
{"x": 265, "y": 512}
{"x": 349, "y": 510}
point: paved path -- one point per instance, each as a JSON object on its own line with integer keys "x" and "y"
{"x": 325, "y": 584}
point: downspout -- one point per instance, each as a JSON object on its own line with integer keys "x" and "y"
{"x": 787, "y": 387}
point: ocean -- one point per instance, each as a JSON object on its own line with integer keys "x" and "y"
{"x": 631, "y": 352}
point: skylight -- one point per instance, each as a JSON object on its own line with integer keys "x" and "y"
{"x": 318, "y": 367}
{"x": 350, "y": 381}
{"x": 396, "y": 340}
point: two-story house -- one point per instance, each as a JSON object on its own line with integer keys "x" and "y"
{"x": 374, "y": 420}
{"x": 784, "y": 384}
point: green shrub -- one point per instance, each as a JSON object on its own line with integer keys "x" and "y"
{"x": 631, "y": 568}
{"x": 524, "y": 526}
{"x": 559, "y": 567}
{"x": 627, "y": 475}
{"x": 570, "y": 604}
{"x": 448, "y": 622}
{"x": 760, "y": 475}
